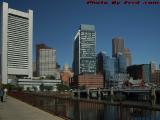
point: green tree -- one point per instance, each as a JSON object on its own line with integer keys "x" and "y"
{"x": 83, "y": 87}
{"x": 35, "y": 88}
{"x": 28, "y": 89}
{"x": 62, "y": 87}
{"x": 50, "y": 77}
{"x": 48, "y": 88}
{"x": 13, "y": 87}
{"x": 41, "y": 87}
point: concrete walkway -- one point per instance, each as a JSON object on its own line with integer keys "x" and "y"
{"x": 14, "y": 109}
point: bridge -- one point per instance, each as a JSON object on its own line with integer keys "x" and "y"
{"x": 100, "y": 93}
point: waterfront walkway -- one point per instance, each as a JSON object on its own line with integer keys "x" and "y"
{"x": 14, "y": 109}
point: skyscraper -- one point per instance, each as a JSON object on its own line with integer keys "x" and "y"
{"x": 117, "y": 46}
{"x": 15, "y": 43}
{"x": 45, "y": 60}
{"x": 84, "y": 50}
{"x": 153, "y": 66}
{"x": 121, "y": 63}
{"x": 101, "y": 62}
{"x": 128, "y": 56}
{"x": 107, "y": 66}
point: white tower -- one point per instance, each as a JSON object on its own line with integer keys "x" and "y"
{"x": 15, "y": 43}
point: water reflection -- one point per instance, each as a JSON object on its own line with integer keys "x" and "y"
{"x": 87, "y": 110}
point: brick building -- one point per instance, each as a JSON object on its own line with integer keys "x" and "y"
{"x": 89, "y": 81}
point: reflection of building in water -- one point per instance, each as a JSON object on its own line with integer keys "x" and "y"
{"x": 91, "y": 111}
{"x": 72, "y": 109}
{"x": 79, "y": 110}
{"x": 110, "y": 112}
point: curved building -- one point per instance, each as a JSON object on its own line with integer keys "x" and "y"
{"x": 15, "y": 43}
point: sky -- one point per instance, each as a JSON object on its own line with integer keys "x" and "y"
{"x": 57, "y": 21}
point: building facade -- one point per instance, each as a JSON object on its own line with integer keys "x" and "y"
{"x": 16, "y": 29}
{"x": 66, "y": 75}
{"x": 101, "y": 62}
{"x": 147, "y": 73}
{"x": 89, "y": 81}
{"x": 128, "y": 56}
{"x": 84, "y": 50}
{"x": 121, "y": 60}
{"x": 142, "y": 72}
{"x": 108, "y": 67}
{"x": 46, "y": 61}
{"x": 118, "y": 80}
{"x": 31, "y": 84}
{"x": 156, "y": 77}
{"x": 117, "y": 46}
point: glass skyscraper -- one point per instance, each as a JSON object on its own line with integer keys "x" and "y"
{"x": 107, "y": 66}
{"x": 121, "y": 63}
{"x": 146, "y": 73}
{"x": 84, "y": 50}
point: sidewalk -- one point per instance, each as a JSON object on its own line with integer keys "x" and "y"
{"x": 14, "y": 109}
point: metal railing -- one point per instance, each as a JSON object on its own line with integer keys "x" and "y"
{"x": 83, "y": 109}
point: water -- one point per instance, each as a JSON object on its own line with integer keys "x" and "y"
{"x": 86, "y": 110}
{"x": 80, "y": 109}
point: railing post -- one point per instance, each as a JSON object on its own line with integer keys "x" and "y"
{"x": 99, "y": 94}
{"x": 88, "y": 95}
{"x": 153, "y": 96}
{"x": 112, "y": 94}
{"x": 72, "y": 94}
{"x": 79, "y": 93}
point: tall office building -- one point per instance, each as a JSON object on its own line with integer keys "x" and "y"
{"x": 128, "y": 56}
{"x": 117, "y": 46}
{"x": 84, "y": 53}
{"x": 106, "y": 65}
{"x": 45, "y": 61}
{"x": 153, "y": 66}
{"x": 154, "y": 71}
{"x": 121, "y": 59}
{"x": 15, "y": 43}
{"x": 101, "y": 62}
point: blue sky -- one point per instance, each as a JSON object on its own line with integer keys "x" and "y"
{"x": 56, "y": 22}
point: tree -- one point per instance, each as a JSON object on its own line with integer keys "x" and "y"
{"x": 83, "y": 87}
{"x": 34, "y": 88}
{"x": 41, "y": 87}
{"x": 62, "y": 87}
{"x": 13, "y": 87}
{"x": 48, "y": 88}
{"x": 50, "y": 77}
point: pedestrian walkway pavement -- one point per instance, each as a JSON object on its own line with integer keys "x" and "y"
{"x": 14, "y": 109}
